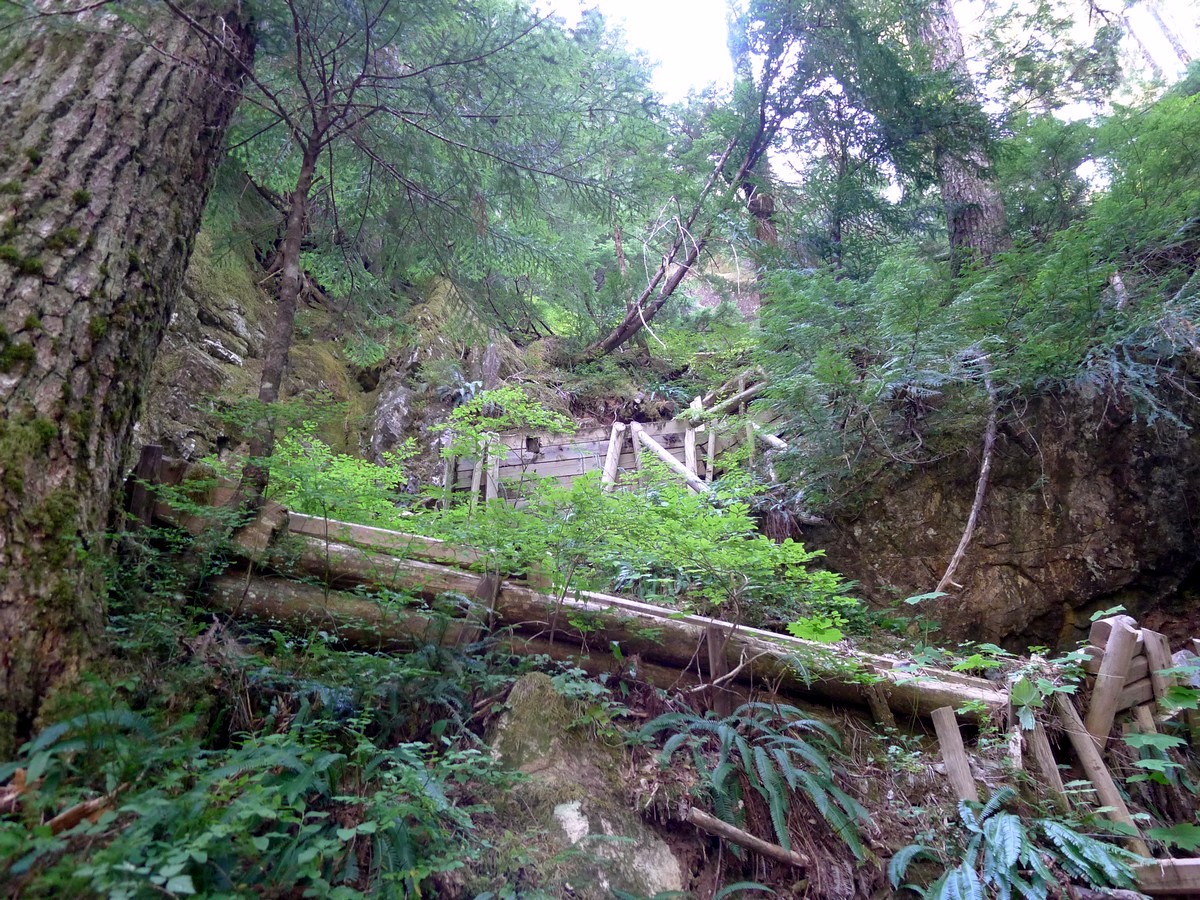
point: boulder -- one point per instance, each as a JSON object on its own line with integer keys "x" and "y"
{"x": 574, "y": 788}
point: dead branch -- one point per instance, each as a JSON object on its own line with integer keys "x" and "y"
{"x": 981, "y": 485}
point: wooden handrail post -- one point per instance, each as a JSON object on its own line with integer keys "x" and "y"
{"x": 954, "y": 755}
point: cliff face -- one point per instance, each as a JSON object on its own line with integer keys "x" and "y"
{"x": 1090, "y": 506}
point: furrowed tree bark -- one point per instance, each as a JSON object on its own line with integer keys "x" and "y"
{"x": 975, "y": 216}
{"x": 110, "y": 139}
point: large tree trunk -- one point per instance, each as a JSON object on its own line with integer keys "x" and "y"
{"x": 107, "y": 151}
{"x": 975, "y": 216}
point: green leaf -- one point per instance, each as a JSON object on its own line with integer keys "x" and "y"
{"x": 1157, "y": 741}
{"x": 180, "y": 884}
{"x": 1185, "y": 836}
{"x": 920, "y": 598}
{"x": 1180, "y": 697}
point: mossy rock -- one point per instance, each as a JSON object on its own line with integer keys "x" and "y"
{"x": 575, "y": 791}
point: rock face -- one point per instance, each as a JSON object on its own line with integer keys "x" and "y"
{"x": 1089, "y": 507}
{"x": 575, "y": 789}
{"x": 212, "y": 350}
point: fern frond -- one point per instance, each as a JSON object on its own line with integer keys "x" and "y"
{"x": 1004, "y": 836}
{"x": 996, "y": 801}
{"x": 776, "y": 795}
{"x": 897, "y": 866}
{"x": 962, "y": 883}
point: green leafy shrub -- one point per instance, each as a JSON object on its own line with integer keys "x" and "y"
{"x": 478, "y": 422}
{"x": 307, "y": 476}
{"x": 666, "y": 544}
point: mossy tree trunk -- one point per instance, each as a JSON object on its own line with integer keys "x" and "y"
{"x": 113, "y": 128}
{"x": 975, "y": 214}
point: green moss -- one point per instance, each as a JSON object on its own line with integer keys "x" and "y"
{"x": 98, "y": 327}
{"x": 80, "y": 421}
{"x": 81, "y": 197}
{"x": 34, "y": 155}
{"x": 135, "y": 262}
{"x": 61, "y": 240}
{"x": 10, "y": 187}
{"x": 22, "y": 438}
{"x": 32, "y": 323}
{"x": 25, "y": 265}
{"x": 13, "y": 355}
{"x": 55, "y": 517}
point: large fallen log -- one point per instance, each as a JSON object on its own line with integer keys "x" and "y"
{"x": 661, "y": 635}
{"x": 368, "y": 625}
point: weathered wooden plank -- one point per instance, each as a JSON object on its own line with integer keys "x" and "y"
{"x": 412, "y": 546}
{"x": 1134, "y": 694}
{"x": 1119, "y": 646}
{"x": 1082, "y": 739}
{"x": 1158, "y": 657}
{"x": 695, "y": 483}
{"x": 1102, "y": 628}
{"x": 1170, "y": 878}
{"x": 613, "y": 455}
{"x": 954, "y": 755}
{"x": 1043, "y": 757}
{"x": 738, "y": 398}
{"x": 689, "y": 443}
{"x": 1138, "y": 669}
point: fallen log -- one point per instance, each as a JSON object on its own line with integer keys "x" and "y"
{"x": 664, "y": 636}
{"x": 367, "y": 625}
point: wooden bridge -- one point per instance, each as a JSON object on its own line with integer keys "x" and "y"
{"x": 690, "y": 446}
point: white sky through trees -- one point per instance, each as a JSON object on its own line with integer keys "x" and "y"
{"x": 687, "y": 37}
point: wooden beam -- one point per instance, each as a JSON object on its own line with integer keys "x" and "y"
{"x": 492, "y": 485}
{"x": 954, "y": 755}
{"x": 1170, "y": 878}
{"x": 1093, "y": 766}
{"x": 449, "y": 478}
{"x": 1119, "y": 647}
{"x": 693, "y": 481}
{"x": 615, "y": 439}
{"x": 477, "y": 480}
{"x": 1043, "y": 757}
{"x": 1158, "y": 657}
{"x": 738, "y": 398}
{"x": 769, "y": 439}
{"x": 1102, "y": 629}
{"x": 412, "y": 546}
{"x": 1138, "y": 669}
{"x": 1134, "y": 693}
{"x": 689, "y": 441}
{"x": 710, "y": 458}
